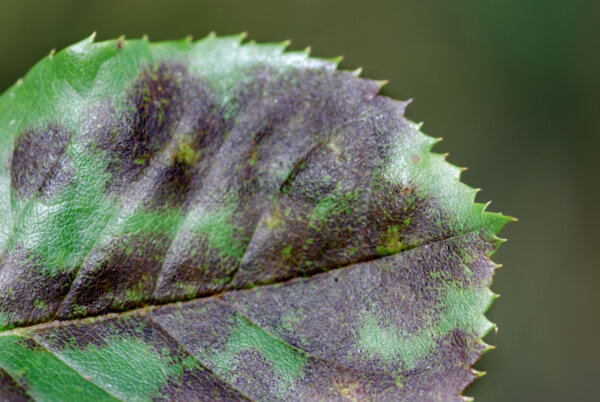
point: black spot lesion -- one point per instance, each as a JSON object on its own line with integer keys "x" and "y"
{"x": 30, "y": 292}
{"x": 446, "y": 372}
{"x": 30, "y": 344}
{"x": 11, "y": 390}
{"x": 167, "y": 129}
{"x": 196, "y": 139}
{"x": 119, "y": 276}
{"x": 146, "y": 126}
{"x": 38, "y": 157}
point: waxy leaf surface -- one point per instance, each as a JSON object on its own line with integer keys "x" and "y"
{"x": 223, "y": 221}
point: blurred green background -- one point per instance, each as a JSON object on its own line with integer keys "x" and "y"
{"x": 513, "y": 87}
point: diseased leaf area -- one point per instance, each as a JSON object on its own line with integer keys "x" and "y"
{"x": 216, "y": 221}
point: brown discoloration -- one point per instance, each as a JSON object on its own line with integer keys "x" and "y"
{"x": 280, "y": 119}
{"x": 165, "y": 144}
{"x": 326, "y": 380}
{"x": 194, "y": 383}
{"x": 11, "y": 390}
{"x": 38, "y": 161}
{"x": 336, "y": 209}
{"x": 204, "y": 329}
{"x": 407, "y": 290}
{"x": 198, "y": 385}
{"x": 142, "y": 132}
{"x": 119, "y": 276}
{"x": 199, "y": 270}
{"x": 443, "y": 374}
{"x": 198, "y": 325}
{"x": 198, "y": 135}
{"x": 250, "y": 362}
{"x": 28, "y": 293}
{"x": 202, "y": 325}
{"x": 30, "y": 344}
{"x": 297, "y": 160}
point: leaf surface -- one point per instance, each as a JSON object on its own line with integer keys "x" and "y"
{"x": 211, "y": 220}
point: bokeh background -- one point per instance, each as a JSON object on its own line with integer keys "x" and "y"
{"x": 512, "y": 85}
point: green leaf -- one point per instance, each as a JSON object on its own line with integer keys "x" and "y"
{"x": 211, "y": 220}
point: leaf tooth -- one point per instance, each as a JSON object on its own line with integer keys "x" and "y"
{"x": 189, "y": 39}
{"x": 500, "y": 240}
{"x": 336, "y": 60}
{"x": 283, "y": 45}
{"x": 242, "y": 36}
{"x": 358, "y": 72}
{"x": 120, "y": 42}
{"x": 405, "y": 103}
{"x": 382, "y": 83}
{"x": 145, "y": 38}
{"x": 211, "y": 35}
{"x": 466, "y": 398}
{"x": 307, "y": 51}
{"x": 52, "y": 53}
{"x": 478, "y": 373}
{"x": 82, "y": 46}
{"x": 488, "y": 347}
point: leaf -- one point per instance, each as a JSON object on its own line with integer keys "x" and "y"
{"x": 210, "y": 220}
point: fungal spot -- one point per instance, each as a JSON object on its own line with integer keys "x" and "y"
{"x": 119, "y": 276}
{"x": 12, "y": 390}
{"x": 38, "y": 157}
{"x": 144, "y": 131}
{"x": 29, "y": 291}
